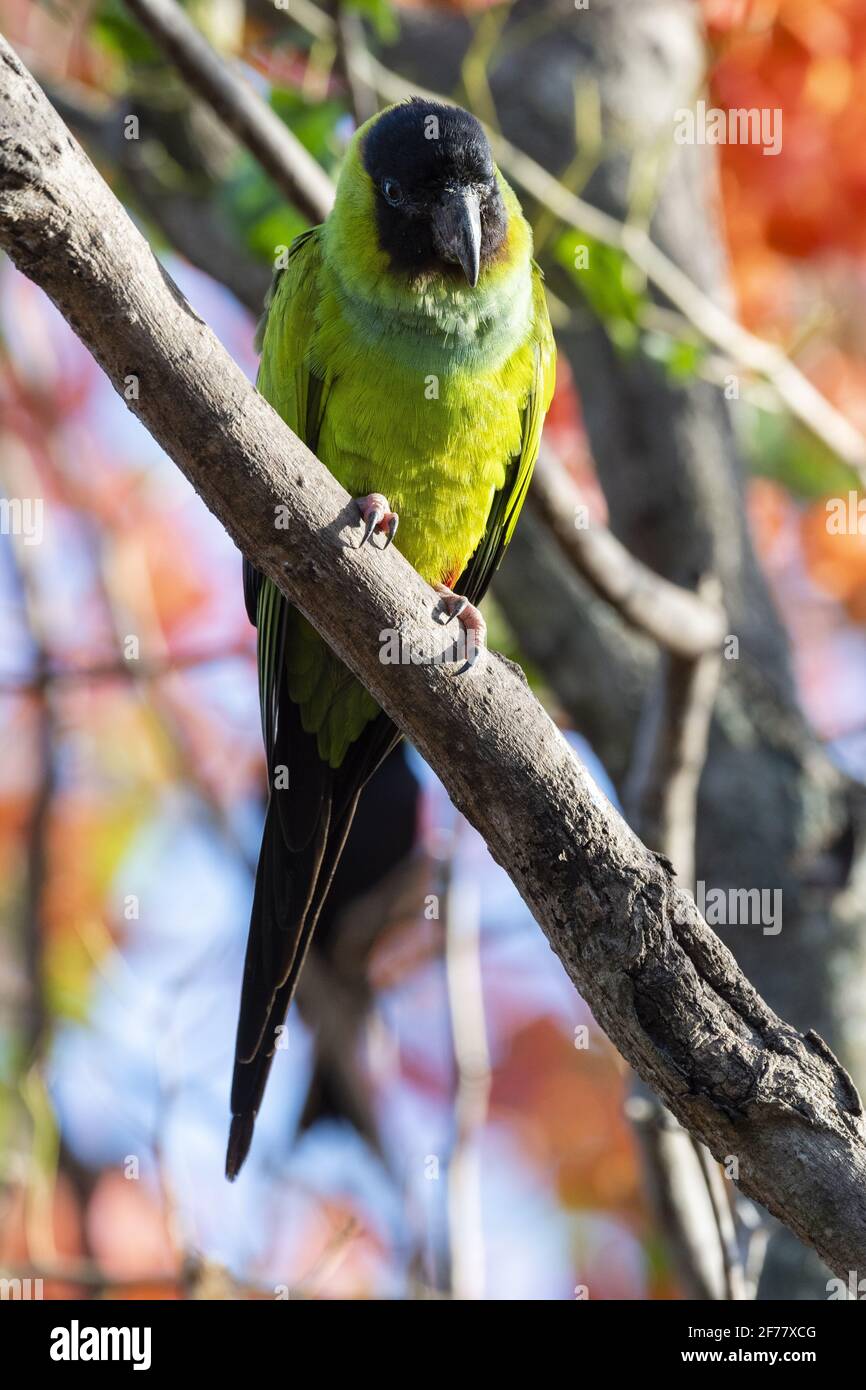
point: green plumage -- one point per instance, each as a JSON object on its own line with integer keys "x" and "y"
{"x": 420, "y": 387}
{"x": 419, "y": 392}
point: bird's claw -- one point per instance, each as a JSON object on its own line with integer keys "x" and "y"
{"x": 377, "y": 516}
{"x": 459, "y": 607}
{"x": 373, "y": 518}
{"x": 471, "y": 657}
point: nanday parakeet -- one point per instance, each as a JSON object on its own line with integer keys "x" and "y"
{"x": 407, "y": 342}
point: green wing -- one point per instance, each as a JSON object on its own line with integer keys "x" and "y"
{"x": 298, "y": 396}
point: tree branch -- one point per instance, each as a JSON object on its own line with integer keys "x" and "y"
{"x": 190, "y": 219}
{"x": 659, "y": 981}
{"x": 661, "y": 797}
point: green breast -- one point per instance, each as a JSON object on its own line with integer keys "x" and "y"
{"x": 424, "y": 392}
{"x": 426, "y": 407}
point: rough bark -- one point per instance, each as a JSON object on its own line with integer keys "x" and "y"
{"x": 660, "y": 982}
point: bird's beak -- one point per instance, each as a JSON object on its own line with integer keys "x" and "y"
{"x": 457, "y": 231}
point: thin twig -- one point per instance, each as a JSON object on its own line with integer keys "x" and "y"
{"x": 672, "y": 749}
{"x": 676, "y": 1193}
{"x": 300, "y": 178}
{"x": 348, "y": 32}
{"x": 736, "y": 1286}
{"x": 679, "y": 620}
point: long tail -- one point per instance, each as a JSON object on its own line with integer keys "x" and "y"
{"x": 292, "y": 881}
{"x": 252, "y": 1065}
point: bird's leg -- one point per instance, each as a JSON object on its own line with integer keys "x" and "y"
{"x": 470, "y": 619}
{"x": 377, "y": 516}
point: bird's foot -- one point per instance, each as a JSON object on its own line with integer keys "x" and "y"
{"x": 470, "y": 619}
{"x": 377, "y": 516}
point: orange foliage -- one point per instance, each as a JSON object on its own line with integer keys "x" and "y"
{"x": 795, "y": 224}
{"x": 567, "y": 1105}
{"x": 807, "y": 57}
{"x": 836, "y": 561}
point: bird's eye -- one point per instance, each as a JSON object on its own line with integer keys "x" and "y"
{"x": 392, "y": 192}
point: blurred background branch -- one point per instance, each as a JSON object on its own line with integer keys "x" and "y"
{"x": 299, "y": 178}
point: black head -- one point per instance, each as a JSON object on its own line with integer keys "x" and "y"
{"x": 438, "y": 205}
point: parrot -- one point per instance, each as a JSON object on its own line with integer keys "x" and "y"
{"x": 407, "y": 341}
